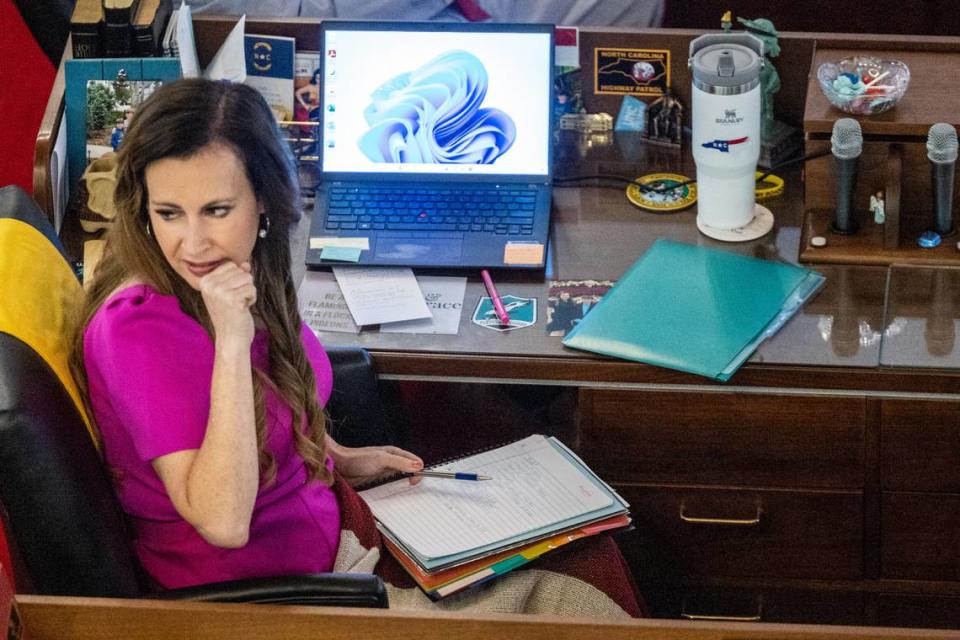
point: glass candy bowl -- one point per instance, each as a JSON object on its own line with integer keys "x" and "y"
{"x": 863, "y": 85}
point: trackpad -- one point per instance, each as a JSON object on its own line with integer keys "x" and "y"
{"x": 419, "y": 250}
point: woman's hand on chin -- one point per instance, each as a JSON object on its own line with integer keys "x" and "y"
{"x": 228, "y": 293}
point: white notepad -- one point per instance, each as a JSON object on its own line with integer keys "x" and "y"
{"x": 375, "y": 296}
{"x": 538, "y": 485}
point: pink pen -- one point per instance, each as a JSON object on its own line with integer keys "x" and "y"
{"x": 497, "y": 302}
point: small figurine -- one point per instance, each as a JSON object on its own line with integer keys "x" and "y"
{"x": 778, "y": 141}
{"x": 726, "y": 21}
{"x": 877, "y": 207}
{"x": 769, "y": 78}
{"x": 664, "y": 121}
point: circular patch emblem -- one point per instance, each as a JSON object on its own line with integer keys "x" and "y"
{"x": 663, "y": 192}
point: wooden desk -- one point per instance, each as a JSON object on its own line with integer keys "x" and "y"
{"x": 598, "y": 234}
{"x": 799, "y": 491}
{"x": 57, "y": 618}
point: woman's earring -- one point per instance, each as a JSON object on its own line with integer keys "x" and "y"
{"x": 149, "y": 230}
{"x": 264, "y": 226}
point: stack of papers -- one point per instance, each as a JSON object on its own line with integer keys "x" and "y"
{"x": 452, "y": 534}
{"x": 444, "y": 582}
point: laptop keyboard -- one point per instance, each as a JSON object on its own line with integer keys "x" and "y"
{"x": 492, "y": 211}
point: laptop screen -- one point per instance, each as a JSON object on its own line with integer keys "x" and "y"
{"x": 444, "y": 100}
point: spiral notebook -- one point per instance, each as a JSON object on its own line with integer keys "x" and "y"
{"x": 539, "y": 488}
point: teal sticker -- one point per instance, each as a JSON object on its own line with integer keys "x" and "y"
{"x": 522, "y": 312}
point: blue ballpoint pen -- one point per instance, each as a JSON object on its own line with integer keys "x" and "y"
{"x": 454, "y": 475}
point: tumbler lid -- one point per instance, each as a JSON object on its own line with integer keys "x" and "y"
{"x": 729, "y": 62}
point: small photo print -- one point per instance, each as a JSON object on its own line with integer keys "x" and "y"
{"x": 110, "y": 106}
{"x": 303, "y": 132}
{"x": 569, "y": 301}
{"x": 567, "y": 92}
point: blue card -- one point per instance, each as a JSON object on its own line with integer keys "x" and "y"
{"x": 631, "y": 113}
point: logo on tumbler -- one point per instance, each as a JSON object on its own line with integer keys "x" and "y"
{"x": 724, "y": 145}
{"x": 729, "y": 117}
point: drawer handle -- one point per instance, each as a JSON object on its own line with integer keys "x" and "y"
{"x": 734, "y": 522}
{"x": 720, "y": 618}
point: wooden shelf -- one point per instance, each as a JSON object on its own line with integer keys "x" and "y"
{"x": 866, "y": 247}
{"x": 931, "y": 97}
{"x": 894, "y": 161}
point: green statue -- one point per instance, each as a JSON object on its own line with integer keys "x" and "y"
{"x": 769, "y": 78}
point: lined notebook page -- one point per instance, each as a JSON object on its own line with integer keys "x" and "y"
{"x": 533, "y": 486}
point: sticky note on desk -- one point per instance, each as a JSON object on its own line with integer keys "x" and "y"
{"x": 343, "y": 254}
{"x": 319, "y": 242}
{"x": 523, "y": 252}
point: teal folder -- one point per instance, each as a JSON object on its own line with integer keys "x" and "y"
{"x": 694, "y": 309}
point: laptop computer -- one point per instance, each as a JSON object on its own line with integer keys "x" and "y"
{"x": 436, "y": 144}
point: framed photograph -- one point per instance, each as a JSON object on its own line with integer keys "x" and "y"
{"x": 92, "y": 101}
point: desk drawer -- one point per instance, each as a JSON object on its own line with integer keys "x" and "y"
{"x": 920, "y": 445}
{"x": 748, "y": 533}
{"x": 724, "y": 439}
{"x": 761, "y": 604}
{"x": 920, "y": 536}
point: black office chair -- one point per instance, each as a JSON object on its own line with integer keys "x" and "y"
{"x": 67, "y": 531}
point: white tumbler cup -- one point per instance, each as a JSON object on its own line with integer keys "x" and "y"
{"x": 726, "y": 126}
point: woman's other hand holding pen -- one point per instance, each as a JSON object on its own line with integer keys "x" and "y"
{"x": 362, "y": 465}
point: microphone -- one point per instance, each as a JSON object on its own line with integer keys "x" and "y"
{"x": 846, "y": 146}
{"x": 942, "y": 151}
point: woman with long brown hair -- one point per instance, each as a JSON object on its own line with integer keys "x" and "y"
{"x": 207, "y": 388}
{"x": 204, "y": 383}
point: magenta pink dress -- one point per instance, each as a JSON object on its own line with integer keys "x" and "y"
{"x": 149, "y": 367}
